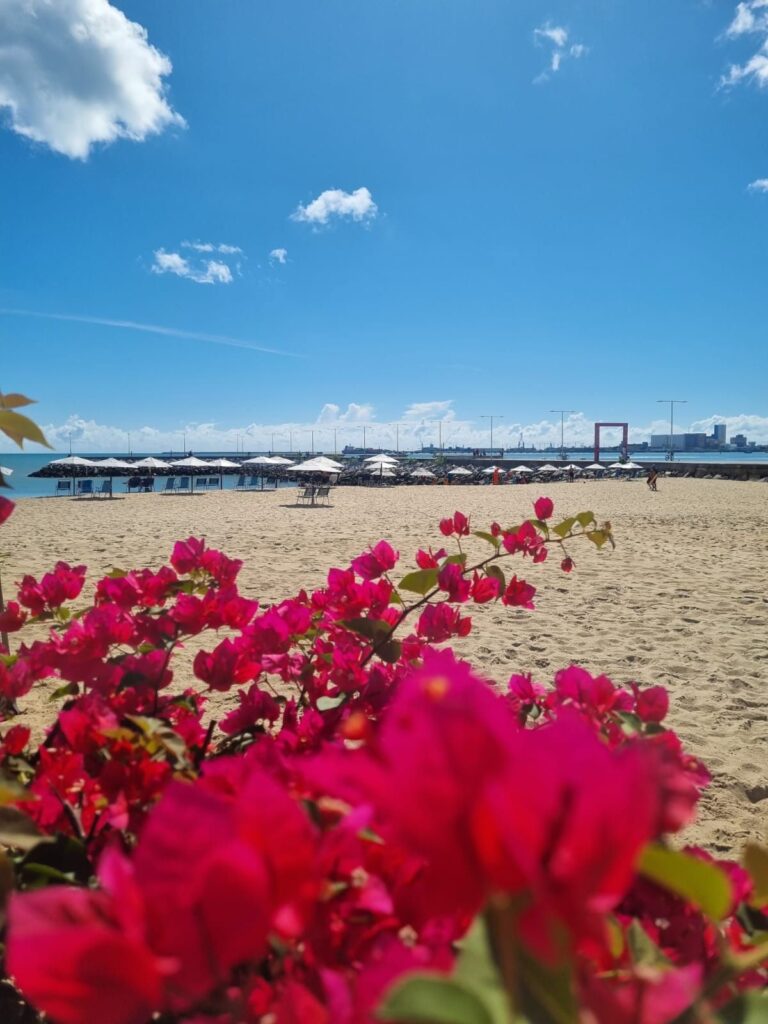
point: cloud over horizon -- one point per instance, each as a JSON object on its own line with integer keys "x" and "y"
{"x": 416, "y": 425}
{"x": 750, "y": 18}
{"x": 76, "y": 73}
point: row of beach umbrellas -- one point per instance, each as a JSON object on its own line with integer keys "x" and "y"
{"x": 151, "y": 463}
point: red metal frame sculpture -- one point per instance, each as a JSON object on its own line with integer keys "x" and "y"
{"x": 624, "y": 438}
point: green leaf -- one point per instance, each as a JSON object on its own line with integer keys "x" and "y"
{"x": 755, "y": 861}
{"x": 419, "y": 582}
{"x": 434, "y": 999}
{"x": 495, "y": 541}
{"x": 696, "y": 881}
{"x": 21, "y": 428}
{"x": 389, "y": 651}
{"x": 498, "y": 574}
{"x": 642, "y": 948}
{"x": 459, "y": 559}
{"x": 475, "y": 967}
{"x": 68, "y": 690}
{"x": 372, "y": 629}
{"x": 329, "y": 703}
{"x": 585, "y": 519}
{"x": 540, "y": 525}
{"x": 158, "y": 736}
{"x": 564, "y": 528}
{"x": 19, "y": 831}
{"x": 751, "y": 1008}
{"x": 598, "y": 537}
{"x": 545, "y": 992}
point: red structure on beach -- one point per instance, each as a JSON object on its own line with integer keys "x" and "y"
{"x": 624, "y": 438}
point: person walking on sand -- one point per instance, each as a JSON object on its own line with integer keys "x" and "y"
{"x": 652, "y": 478}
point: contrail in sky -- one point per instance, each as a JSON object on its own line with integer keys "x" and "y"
{"x": 170, "y": 332}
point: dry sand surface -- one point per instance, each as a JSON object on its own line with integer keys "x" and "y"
{"x": 682, "y": 601}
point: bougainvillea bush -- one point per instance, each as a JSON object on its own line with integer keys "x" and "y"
{"x": 373, "y": 832}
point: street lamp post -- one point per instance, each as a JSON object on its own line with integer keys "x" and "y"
{"x": 492, "y": 418}
{"x": 672, "y": 402}
{"x": 563, "y": 414}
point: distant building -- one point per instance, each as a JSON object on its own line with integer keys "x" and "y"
{"x": 739, "y": 441}
{"x": 680, "y": 442}
{"x": 718, "y": 433}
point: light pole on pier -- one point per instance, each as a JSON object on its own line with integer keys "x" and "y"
{"x": 672, "y": 402}
{"x": 563, "y": 413}
{"x": 492, "y": 418}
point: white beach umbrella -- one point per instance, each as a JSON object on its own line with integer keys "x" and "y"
{"x": 425, "y": 473}
{"x": 521, "y": 469}
{"x": 263, "y": 460}
{"x": 460, "y": 471}
{"x": 380, "y": 469}
{"x": 74, "y": 460}
{"x": 595, "y": 466}
{"x": 192, "y": 462}
{"x": 380, "y": 458}
{"x": 317, "y": 465}
{"x": 492, "y": 469}
{"x": 151, "y": 463}
{"x": 574, "y": 467}
{"x": 632, "y": 465}
{"x": 224, "y": 464}
{"x": 278, "y": 460}
{"x": 114, "y": 464}
{"x": 547, "y": 468}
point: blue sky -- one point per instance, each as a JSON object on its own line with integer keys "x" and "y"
{"x": 472, "y": 208}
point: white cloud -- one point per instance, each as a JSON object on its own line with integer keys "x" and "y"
{"x": 208, "y": 272}
{"x": 278, "y": 256}
{"x": 758, "y": 185}
{"x": 554, "y": 33}
{"x": 355, "y": 413}
{"x": 557, "y": 35}
{"x": 75, "y": 73}
{"x": 751, "y": 18}
{"x": 197, "y": 268}
{"x": 415, "y": 426}
{"x": 334, "y": 202}
{"x": 225, "y": 250}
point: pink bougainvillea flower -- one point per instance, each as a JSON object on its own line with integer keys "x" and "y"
{"x": 439, "y": 622}
{"x": 572, "y": 840}
{"x": 543, "y": 507}
{"x": 484, "y": 588}
{"x": 652, "y": 703}
{"x": 81, "y": 956}
{"x": 519, "y": 593}
{"x": 567, "y": 564}
{"x": 457, "y": 524}
{"x": 12, "y": 618}
{"x": 647, "y": 996}
{"x": 376, "y": 562}
{"x": 430, "y": 559}
{"x": 451, "y": 580}
{"x": 6, "y": 509}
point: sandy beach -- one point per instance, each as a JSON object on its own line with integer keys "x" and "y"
{"x": 682, "y": 601}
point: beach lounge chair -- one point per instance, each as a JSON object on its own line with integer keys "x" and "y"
{"x": 63, "y": 487}
{"x": 252, "y": 485}
{"x": 105, "y": 490}
{"x": 184, "y": 483}
{"x": 84, "y": 487}
{"x": 170, "y": 485}
{"x": 323, "y": 494}
{"x": 305, "y": 496}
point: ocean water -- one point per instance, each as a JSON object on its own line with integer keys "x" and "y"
{"x": 24, "y": 486}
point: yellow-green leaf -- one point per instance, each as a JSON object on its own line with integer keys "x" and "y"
{"x": 755, "y": 860}
{"x": 435, "y": 999}
{"x": 21, "y": 428}
{"x": 419, "y": 582}
{"x": 14, "y": 401}
{"x": 697, "y": 881}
